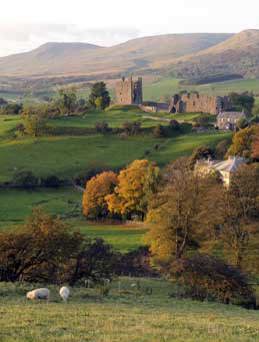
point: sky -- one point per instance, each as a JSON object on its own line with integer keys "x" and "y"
{"x": 26, "y": 24}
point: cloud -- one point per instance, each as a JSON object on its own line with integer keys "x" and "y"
{"x": 23, "y": 37}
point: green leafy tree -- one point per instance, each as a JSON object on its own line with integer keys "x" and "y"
{"x": 34, "y": 119}
{"x": 67, "y": 100}
{"x": 99, "y": 97}
{"x": 244, "y": 101}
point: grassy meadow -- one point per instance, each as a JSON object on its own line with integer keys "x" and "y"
{"x": 69, "y": 155}
{"x": 168, "y": 86}
{"x": 17, "y": 205}
{"x": 126, "y": 314}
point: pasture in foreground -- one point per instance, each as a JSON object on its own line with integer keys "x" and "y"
{"x": 126, "y": 314}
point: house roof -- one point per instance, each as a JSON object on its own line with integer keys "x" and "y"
{"x": 230, "y": 165}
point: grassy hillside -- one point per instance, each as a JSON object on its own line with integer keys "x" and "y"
{"x": 125, "y": 315}
{"x": 170, "y": 86}
{"x": 236, "y": 55}
{"x": 66, "y": 156}
{"x": 75, "y": 59}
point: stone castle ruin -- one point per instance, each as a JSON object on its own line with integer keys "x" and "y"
{"x": 199, "y": 103}
{"x": 129, "y": 92}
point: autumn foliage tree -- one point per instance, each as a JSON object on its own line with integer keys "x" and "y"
{"x": 174, "y": 214}
{"x": 94, "y": 198}
{"x": 38, "y": 250}
{"x": 243, "y": 141}
{"x": 135, "y": 186}
{"x": 255, "y": 146}
{"x": 46, "y": 250}
{"x": 233, "y": 214}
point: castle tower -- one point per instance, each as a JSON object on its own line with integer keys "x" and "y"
{"x": 129, "y": 92}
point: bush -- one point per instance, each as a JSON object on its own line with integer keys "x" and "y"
{"x": 174, "y": 125}
{"x": 102, "y": 127}
{"x": 202, "y": 121}
{"x": 159, "y": 131}
{"x": 51, "y": 182}
{"x": 25, "y": 180}
{"x": 206, "y": 277}
{"x": 202, "y": 152}
{"x": 131, "y": 128}
{"x": 136, "y": 263}
{"x": 11, "y": 109}
{"x": 46, "y": 250}
{"x": 242, "y": 123}
{"x": 222, "y": 148}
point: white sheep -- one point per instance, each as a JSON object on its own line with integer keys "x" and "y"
{"x": 64, "y": 293}
{"x": 42, "y": 293}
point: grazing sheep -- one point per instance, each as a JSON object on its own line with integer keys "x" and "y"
{"x": 42, "y": 293}
{"x": 64, "y": 293}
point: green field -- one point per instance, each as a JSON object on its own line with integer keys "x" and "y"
{"x": 17, "y": 205}
{"x": 66, "y": 155}
{"x": 69, "y": 155}
{"x": 125, "y": 315}
{"x": 123, "y": 238}
{"x": 164, "y": 87}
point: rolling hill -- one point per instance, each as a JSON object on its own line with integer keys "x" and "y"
{"x": 237, "y": 55}
{"x": 141, "y": 55}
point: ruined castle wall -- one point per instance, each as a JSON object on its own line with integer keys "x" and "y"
{"x": 124, "y": 92}
{"x": 195, "y": 103}
{"x": 129, "y": 92}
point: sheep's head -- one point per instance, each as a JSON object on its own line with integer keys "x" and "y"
{"x": 29, "y": 295}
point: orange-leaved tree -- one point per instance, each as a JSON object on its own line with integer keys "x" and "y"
{"x": 97, "y": 188}
{"x": 136, "y": 184}
{"x": 242, "y": 142}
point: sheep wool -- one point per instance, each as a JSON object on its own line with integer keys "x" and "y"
{"x": 64, "y": 293}
{"x": 42, "y": 293}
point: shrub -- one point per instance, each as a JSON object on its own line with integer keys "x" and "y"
{"x": 51, "y": 182}
{"x": 25, "y": 179}
{"x": 202, "y": 152}
{"x": 11, "y": 109}
{"x": 222, "y": 148}
{"x": 159, "y": 131}
{"x": 46, "y": 250}
{"x": 202, "y": 121}
{"x": 136, "y": 263}
{"x": 174, "y": 125}
{"x": 102, "y": 127}
{"x": 206, "y": 277}
{"x": 242, "y": 123}
{"x": 131, "y": 128}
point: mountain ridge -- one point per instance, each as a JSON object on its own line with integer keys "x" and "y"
{"x": 136, "y": 55}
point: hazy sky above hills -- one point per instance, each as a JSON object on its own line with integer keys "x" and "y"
{"x": 25, "y": 25}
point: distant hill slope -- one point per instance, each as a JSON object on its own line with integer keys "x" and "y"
{"x": 138, "y": 55}
{"x": 237, "y": 55}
